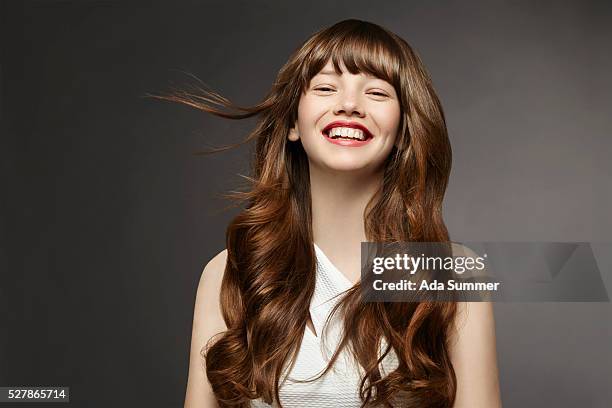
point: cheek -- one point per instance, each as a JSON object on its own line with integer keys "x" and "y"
{"x": 389, "y": 119}
{"x": 308, "y": 114}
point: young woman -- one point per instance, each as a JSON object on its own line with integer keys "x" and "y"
{"x": 351, "y": 146}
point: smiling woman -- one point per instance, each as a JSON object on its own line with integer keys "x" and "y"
{"x": 351, "y": 146}
{"x": 371, "y": 102}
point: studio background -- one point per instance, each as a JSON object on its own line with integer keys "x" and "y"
{"x": 107, "y": 217}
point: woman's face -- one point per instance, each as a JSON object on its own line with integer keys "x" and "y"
{"x": 362, "y": 103}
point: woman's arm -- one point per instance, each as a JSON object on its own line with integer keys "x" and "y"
{"x": 207, "y": 321}
{"x": 473, "y": 355}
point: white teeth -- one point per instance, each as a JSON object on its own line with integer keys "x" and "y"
{"x": 347, "y": 132}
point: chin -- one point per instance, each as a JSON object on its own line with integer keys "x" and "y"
{"x": 348, "y": 167}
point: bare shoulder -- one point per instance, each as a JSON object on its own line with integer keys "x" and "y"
{"x": 207, "y": 308}
{"x": 207, "y": 322}
{"x": 216, "y": 266}
{"x": 473, "y": 354}
{"x": 475, "y": 314}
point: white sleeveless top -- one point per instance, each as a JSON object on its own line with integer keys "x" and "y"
{"x": 340, "y": 386}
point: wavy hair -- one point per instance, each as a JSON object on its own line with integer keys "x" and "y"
{"x": 270, "y": 274}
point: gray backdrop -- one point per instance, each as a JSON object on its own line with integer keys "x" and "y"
{"x": 107, "y": 217}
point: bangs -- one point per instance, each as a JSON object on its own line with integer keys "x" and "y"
{"x": 361, "y": 48}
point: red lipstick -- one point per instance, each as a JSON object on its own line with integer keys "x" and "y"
{"x": 347, "y": 142}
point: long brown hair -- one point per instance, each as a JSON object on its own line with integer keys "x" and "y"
{"x": 270, "y": 274}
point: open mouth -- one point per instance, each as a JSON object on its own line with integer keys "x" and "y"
{"x": 346, "y": 133}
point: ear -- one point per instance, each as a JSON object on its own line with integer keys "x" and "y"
{"x": 293, "y": 135}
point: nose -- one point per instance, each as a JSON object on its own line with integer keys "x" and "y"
{"x": 348, "y": 104}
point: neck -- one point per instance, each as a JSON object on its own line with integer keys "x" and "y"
{"x": 339, "y": 200}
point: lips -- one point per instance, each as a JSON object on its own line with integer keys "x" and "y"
{"x": 346, "y": 124}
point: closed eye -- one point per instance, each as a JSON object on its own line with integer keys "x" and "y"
{"x": 327, "y": 89}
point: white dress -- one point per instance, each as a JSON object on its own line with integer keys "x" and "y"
{"x": 339, "y": 388}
